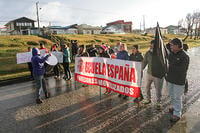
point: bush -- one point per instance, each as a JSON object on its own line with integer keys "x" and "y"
{"x": 2, "y": 45}
{"x": 32, "y": 43}
{"x": 97, "y": 40}
{"x": 13, "y": 45}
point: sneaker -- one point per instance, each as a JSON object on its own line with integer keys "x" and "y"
{"x": 171, "y": 110}
{"x": 125, "y": 97}
{"x": 136, "y": 100}
{"x": 38, "y": 101}
{"x": 174, "y": 119}
{"x": 64, "y": 78}
{"x": 47, "y": 95}
{"x": 147, "y": 102}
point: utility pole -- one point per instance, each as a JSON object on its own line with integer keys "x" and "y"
{"x": 144, "y": 22}
{"x": 38, "y": 20}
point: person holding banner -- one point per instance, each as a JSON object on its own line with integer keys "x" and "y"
{"x": 136, "y": 56}
{"x": 155, "y": 74}
{"x": 123, "y": 55}
{"x": 82, "y": 51}
{"x": 66, "y": 61}
{"x": 176, "y": 77}
{"x": 103, "y": 53}
{"x": 56, "y": 67}
{"x": 30, "y": 65}
{"x": 42, "y": 47}
{"x": 38, "y": 73}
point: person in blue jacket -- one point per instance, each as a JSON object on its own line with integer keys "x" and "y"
{"x": 38, "y": 73}
{"x": 123, "y": 55}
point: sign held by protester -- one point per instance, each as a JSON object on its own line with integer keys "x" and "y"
{"x": 120, "y": 76}
{"x": 26, "y": 56}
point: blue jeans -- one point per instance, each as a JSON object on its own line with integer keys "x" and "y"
{"x": 176, "y": 92}
{"x": 40, "y": 81}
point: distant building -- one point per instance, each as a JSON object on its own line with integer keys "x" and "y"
{"x": 176, "y": 30}
{"x": 118, "y": 27}
{"x": 172, "y": 29}
{"x": 71, "y": 29}
{"x": 88, "y": 29}
{"x": 3, "y": 30}
{"x": 153, "y": 30}
{"x": 20, "y": 26}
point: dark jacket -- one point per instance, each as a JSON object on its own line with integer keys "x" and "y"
{"x": 137, "y": 57}
{"x": 38, "y": 62}
{"x": 123, "y": 55}
{"x": 83, "y": 54}
{"x": 92, "y": 52}
{"x": 155, "y": 67}
{"x": 74, "y": 48}
{"x": 104, "y": 54}
{"x": 178, "y": 66}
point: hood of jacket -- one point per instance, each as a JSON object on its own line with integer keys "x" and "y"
{"x": 35, "y": 51}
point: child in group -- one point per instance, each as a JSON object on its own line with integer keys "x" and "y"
{"x": 38, "y": 73}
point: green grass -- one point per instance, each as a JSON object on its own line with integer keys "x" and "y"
{"x": 10, "y": 45}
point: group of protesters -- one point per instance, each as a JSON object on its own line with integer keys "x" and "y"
{"x": 175, "y": 76}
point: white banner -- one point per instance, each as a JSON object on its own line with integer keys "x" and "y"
{"x": 26, "y": 56}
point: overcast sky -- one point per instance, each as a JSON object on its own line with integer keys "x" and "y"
{"x": 99, "y": 12}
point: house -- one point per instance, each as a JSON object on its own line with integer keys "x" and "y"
{"x": 20, "y": 26}
{"x": 152, "y": 30}
{"x": 172, "y": 29}
{"x": 71, "y": 29}
{"x": 118, "y": 27}
{"x": 176, "y": 30}
{"x": 88, "y": 29}
{"x": 3, "y": 30}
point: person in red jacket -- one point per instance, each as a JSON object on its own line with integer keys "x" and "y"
{"x": 43, "y": 47}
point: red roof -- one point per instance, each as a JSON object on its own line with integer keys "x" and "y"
{"x": 119, "y": 22}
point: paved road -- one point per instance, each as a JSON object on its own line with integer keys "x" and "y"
{"x": 76, "y": 109}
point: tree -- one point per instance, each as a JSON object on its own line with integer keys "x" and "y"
{"x": 189, "y": 20}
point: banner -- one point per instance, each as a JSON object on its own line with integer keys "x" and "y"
{"x": 120, "y": 76}
{"x": 26, "y": 56}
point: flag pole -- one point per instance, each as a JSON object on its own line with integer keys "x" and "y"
{"x": 100, "y": 91}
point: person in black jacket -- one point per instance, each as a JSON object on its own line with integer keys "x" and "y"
{"x": 74, "y": 48}
{"x": 155, "y": 74}
{"x": 176, "y": 76}
{"x": 92, "y": 51}
{"x": 136, "y": 56}
{"x": 103, "y": 53}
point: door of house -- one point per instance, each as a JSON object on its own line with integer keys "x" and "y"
{"x": 25, "y": 32}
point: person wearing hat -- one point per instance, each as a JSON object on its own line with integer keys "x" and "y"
{"x": 136, "y": 56}
{"x": 155, "y": 74}
{"x": 176, "y": 77}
